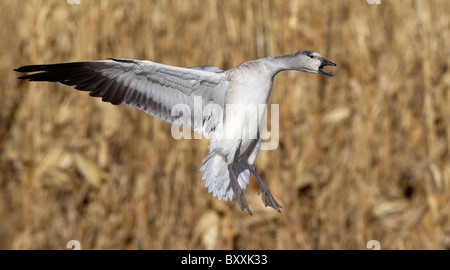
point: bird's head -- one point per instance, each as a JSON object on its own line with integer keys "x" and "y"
{"x": 312, "y": 62}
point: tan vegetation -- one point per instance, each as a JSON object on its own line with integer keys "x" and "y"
{"x": 363, "y": 155}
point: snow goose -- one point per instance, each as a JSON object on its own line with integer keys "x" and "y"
{"x": 157, "y": 89}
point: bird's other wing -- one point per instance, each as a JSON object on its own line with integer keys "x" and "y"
{"x": 160, "y": 90}
{"x": 208, "y": 68}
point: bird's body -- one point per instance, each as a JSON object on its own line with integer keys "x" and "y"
{"x": 227, "y": 106}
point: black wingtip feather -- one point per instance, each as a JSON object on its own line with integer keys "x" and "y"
{"x": 37, "y": 77}
{"x": 83, "y": 76}
{"x": 31, "y": 68}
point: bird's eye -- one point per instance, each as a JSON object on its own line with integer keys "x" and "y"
{"x": 311, "y": 56}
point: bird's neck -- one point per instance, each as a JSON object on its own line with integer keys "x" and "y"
{"x": 275, "y": 64}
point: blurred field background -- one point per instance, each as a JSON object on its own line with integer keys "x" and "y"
{"x": 363, "y": 155}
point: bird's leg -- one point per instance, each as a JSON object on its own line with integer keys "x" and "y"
{"x": 266, "y": 196}
{"x": 238, "y": 192}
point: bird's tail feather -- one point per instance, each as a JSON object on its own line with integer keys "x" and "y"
{"x": 217, "y": 176}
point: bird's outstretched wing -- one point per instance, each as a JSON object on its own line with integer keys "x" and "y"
{"x": 152, "y": 87}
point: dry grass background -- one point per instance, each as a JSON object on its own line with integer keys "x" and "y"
{"x": 363, "y": 155}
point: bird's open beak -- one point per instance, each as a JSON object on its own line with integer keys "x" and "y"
{"x": 325, "y": 62}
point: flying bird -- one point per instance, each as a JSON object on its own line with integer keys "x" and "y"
{"x": 209, "y": 100}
